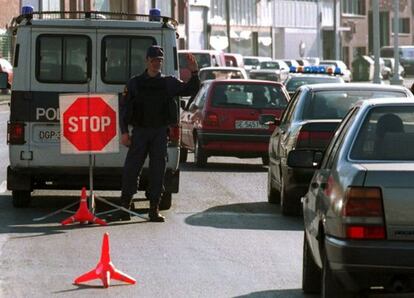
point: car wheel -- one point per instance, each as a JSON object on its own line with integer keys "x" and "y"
{"x": 183, "y": 154}
{"x": 165, "y": 202}
{"x": 21, "y": 198}
{"x": 331, "y": 287}
{"x": 200, "y": 156}
{"x": 273, "y": 195}
{"x": 311, "y": 273}
{"x": 265, "y": 160}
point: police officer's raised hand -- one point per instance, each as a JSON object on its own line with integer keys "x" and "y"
{"x": 125, "y": 139}
{"x": 192, "y": 63}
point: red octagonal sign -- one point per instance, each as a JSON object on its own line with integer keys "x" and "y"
{"x": 89, "y": 123}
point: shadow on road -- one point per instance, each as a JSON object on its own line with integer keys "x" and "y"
{"x": 291, "y": 293}
{"x": 223, "y": 167}
{"x": 252, "y": 216}
{"x": 20, "y": 221}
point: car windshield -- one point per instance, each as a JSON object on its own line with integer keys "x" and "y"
{"x": 382, "y": 129}
{"x": 296, "y": 82}
{"x": 203, "y": 60}
{"x": 248, "y": 96}
{"x": 211, "y": 74}
{"x": 335, "y": 104}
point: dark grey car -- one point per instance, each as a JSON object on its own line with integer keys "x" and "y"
{"x": 358, "y": 211}
{"x": 309, "y": 122}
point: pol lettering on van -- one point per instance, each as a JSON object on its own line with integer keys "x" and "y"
{"x": 47, "y": 114}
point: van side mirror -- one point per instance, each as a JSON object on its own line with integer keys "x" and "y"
{"x": 267, "y": 119}
{"x": 304, "y": 159}
{"x": 3, "y": 80}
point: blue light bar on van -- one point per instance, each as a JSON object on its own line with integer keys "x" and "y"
{"x": 27, "y": 9}
{"x": 155, "y": 14}
{"x": 318, "y": 69}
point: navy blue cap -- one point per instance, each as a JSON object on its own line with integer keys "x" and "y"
{"x": 155, "y": 52}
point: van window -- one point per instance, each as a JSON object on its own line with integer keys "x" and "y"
{"x": 123, "y": 57}
{"x": 63, "y": 58}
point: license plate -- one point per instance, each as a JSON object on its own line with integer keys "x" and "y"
{"x": 250, "y": 124}
{"x": 46, "y": 134}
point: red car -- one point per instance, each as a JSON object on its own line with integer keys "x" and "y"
{"x": 5, "y": 66}
{"x": 223, "y": 119}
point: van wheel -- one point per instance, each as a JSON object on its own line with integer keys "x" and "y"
{"x": 165, "y": 202}
{"x": 21, "y": 198}
{"x": 273, "y": 195}
{"x": 183, "y": 154}
{"x": 311, "y": 273}
{"x": 200, "y": 156}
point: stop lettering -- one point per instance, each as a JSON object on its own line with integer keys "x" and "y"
{"x": 89, "y": 123}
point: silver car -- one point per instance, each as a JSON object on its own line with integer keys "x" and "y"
{"x": 358, "y": 211}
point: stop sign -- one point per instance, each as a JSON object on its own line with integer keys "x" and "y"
{"x": 88, "y": 122}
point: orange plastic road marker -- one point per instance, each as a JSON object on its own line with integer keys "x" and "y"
{"x": 105, "y": 270}
{"x": 83, "y": 214}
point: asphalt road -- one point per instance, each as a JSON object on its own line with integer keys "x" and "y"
{"x": 221, "y": 239}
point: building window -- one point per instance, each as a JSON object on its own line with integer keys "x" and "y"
{"x": 355, "y": 7}
{"x": 403, "y": 26}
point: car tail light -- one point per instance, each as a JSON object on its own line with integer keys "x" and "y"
{"x": 15, "y": 133}
{"x": 211, "y": 119}
{"x": 364, "y": 214}
{"x": 174, "y": 135}
{"x": 306, "y": 137}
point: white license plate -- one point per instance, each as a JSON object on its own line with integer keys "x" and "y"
{"x": 46, "y": 134}
{"x": 250, "y": 124}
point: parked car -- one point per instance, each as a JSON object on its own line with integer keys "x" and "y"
{"x": 233, "y": 59}
{"x": 223, "y": 119}
{"x": 358, "y": 211}
{"x": 346, "y": 73}
{"x": 309, "y": 122}
{"x": 406, "y": 56}
{"x": 274, "y": 70}
{"x": 390, "y": 64}
{"x": 219, "y": 72}
{"x": 205, "y": 58}
{"x": 252, "y": 62}
{"x": 6, "y": 67}
{"x": 294, "y": 81}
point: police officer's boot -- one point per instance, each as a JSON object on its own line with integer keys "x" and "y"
{"x": 154, "y": 213}
{"x": 120, "y": 214}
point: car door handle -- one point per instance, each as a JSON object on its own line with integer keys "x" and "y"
{"x": 314, "y": 185}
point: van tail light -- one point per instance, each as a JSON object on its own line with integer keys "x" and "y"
{"x": 15, "y": 133}
{"x": 310, "y": 138}
{"x": 174, "y": 135}
{"x": 364, "y": 213}
{"x": 211, "y": 119}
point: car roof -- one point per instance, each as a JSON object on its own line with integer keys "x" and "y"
{"x": 386, "y": 101}
{"x": 355, "y": 86}
{"x": 245, "y": 81}
{"x": 222, "y": 68}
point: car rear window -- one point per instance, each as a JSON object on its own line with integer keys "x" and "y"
{"x": 335, "y": 104}
{"x": 382, "y": 129}
{"x": 248, "y": 96}
{"x": 296, "y": 82}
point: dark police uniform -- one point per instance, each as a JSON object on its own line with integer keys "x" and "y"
{"x": 148, "y": 105}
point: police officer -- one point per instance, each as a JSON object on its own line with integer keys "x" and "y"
{"x": 146, "y": 105}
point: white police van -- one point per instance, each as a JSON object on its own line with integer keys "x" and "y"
{"x": 77, "y": 52}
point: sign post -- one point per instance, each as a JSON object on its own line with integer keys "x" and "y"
{"x": 89, "y": 125}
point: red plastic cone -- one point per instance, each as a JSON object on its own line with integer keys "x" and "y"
{"x": 83, "y": 214}
{"x": 105, "y": 270}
